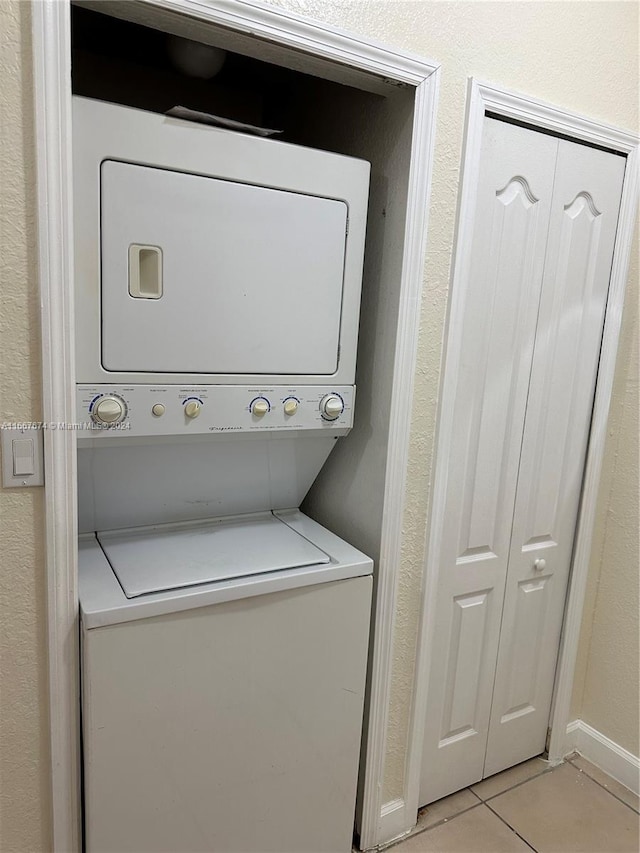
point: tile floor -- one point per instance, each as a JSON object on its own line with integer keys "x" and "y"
{"x": 573, "y": 808}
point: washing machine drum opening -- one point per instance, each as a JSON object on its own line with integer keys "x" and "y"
{"x": 155, "y": 559}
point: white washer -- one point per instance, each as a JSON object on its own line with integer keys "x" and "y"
{"x": 223, "y": 672}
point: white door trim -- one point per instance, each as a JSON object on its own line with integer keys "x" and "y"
{"x": 374, "y": 819}
{"x": 52, "y": 85}
{"x": 483, "y": 98}
{"x": 51, "y": 39}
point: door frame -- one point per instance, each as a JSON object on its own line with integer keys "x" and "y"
{"x": 483, "y": 98}
{"x": 354, "y": 60}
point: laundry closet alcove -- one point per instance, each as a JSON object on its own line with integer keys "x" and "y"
{"x": 347, "y": 96}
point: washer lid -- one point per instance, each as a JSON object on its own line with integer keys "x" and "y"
{"x": 152, "y": 559}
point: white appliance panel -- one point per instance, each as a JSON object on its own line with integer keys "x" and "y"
{"x": 249, "y": 278}
{"x": 155, "y": 558}
{"x": 222, "y": 409}
{"x": 141, "y": 482}
{"x": 235, "y": 727}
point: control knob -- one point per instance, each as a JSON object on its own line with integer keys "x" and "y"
{"x": 192, "y": 409}
{"x": 331, "y": 407}
{"x": 109, "y": 411}
{"x": 259, "y": 407}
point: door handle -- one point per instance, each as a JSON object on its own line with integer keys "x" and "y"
{"x": 145, "y": 271}
{"x": 539, "y": 565}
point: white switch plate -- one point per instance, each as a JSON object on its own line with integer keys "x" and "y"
{"x": 15, "y": 452}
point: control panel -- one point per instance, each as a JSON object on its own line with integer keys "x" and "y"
{"x": 142, "y": 410}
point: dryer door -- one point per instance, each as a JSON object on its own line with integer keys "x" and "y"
{"x": 202, "y": 275}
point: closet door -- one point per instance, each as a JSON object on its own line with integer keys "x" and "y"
{"x": 501, "y": 306}
{"x": 584, "y": 213}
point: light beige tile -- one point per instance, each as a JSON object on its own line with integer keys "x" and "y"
{"x": 565, "y": 810}
{"x": 446, "y": 808}
{"x": 475, "y": 831}
{"x": 508, "y": 778}
{"x": 606, "y": 781}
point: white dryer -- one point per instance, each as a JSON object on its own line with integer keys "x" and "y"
{"x": 223, "y": 686}
{"x": 208, "y": 256}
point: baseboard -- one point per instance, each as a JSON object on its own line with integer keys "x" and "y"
{"x": 393, "y": 822}
{"x": 571, "y": 740}
{"x": 605, "y": 754}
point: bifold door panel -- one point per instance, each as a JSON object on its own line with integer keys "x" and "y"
{"x": 499, "y": 329}
{"x": 545, "y": 221}
{"x": 582, "y": 230}
{"x": 201, "y": 275}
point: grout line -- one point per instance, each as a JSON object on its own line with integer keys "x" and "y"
{"x": 520, "y": 784}
{"x": 604, "y": 787}
{"x": 433, "y": 826}
{"x": 449, "y": 819}
{"x": 480, "y": 802}
{"x": 486, "y": 802}
{"x": 515, "y": 831}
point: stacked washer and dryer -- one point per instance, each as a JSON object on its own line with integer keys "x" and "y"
{"x": 224, "y": 633}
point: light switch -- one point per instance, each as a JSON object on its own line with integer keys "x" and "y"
{"x": 22, "y": 456}
{"x": 22, "y": 451}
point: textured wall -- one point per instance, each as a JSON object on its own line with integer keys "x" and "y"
{"x": 606, "y": 684}
{"x": 24, "y": 768}
{"x": 552, "y": 50}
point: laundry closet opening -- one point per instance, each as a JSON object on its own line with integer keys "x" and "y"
{"x": 237, "y": 302}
